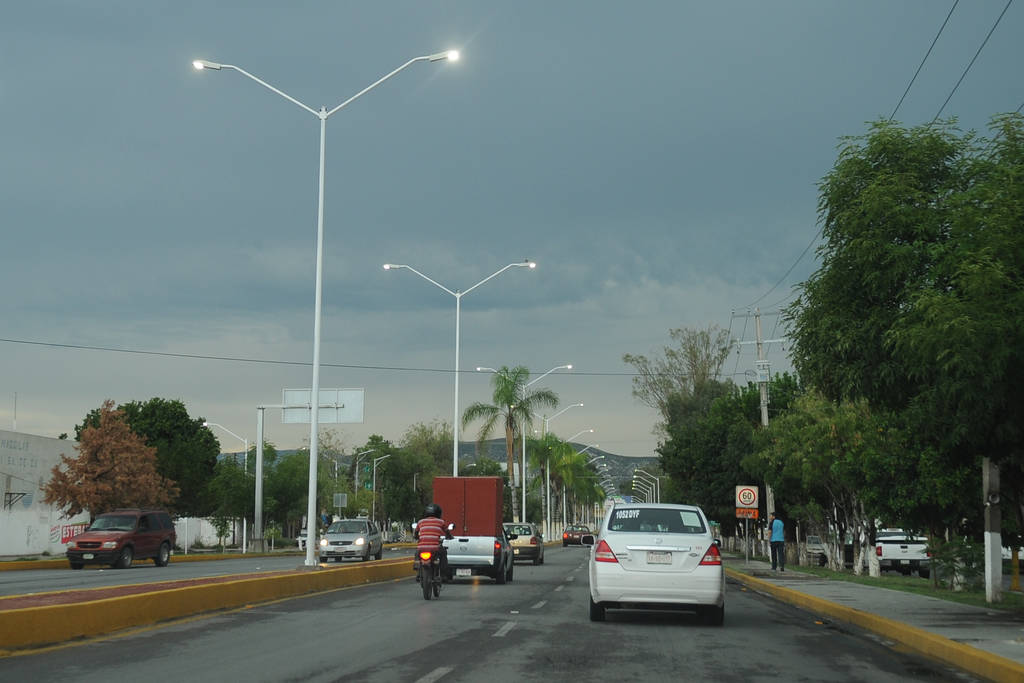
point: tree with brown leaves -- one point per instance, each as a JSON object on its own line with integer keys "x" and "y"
{"x": 114, "y": 469}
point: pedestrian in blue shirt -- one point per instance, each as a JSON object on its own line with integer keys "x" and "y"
{"x": 778, "y": 543}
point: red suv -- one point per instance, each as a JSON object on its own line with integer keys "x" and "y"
{"x": 119, "y": 537}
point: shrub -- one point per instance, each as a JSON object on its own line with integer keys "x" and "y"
{"x": 958, "y": 564}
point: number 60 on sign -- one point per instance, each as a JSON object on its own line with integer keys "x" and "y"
{"x": 746, "y": 496}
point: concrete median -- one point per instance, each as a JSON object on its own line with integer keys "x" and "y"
{"x": 39, "y": 626}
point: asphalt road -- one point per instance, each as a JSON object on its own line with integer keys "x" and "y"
{"x": 534, "y": 628}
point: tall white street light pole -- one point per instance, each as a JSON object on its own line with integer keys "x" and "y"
{"x": 547, "y": 471}
{"x": 458, "y": 314}
{"x": 314, "y": 397}
{"x": 245, "y": 471}
{"x": 373, "y": 505}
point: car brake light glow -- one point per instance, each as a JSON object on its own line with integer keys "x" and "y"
{"x": 425, "y": 555}
{"x": 565, "y": 534}
{"x": 712, "y": 556}
{"x": 497, "y": 546}
{"x": 603, "y": 553}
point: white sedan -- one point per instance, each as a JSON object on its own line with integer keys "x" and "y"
{"x": 656, "y": 556}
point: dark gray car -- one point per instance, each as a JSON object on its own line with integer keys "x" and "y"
{"x": 359, "y": 538}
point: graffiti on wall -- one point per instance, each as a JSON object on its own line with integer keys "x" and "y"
{"x": 65, "y": 532}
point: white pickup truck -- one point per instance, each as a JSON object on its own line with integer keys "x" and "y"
{"x": 899, "y": 551}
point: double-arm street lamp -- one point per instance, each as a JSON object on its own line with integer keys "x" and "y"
{"x": 647, "y": 476}
{"x": 458, "y": 314}
{"x": 314, "y": 397}
{"x": 245, "y": 471}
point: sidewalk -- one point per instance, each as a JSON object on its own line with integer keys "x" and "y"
{"x": 987, "y": 643}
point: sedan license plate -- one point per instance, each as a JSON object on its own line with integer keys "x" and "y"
{"x": 87, "y": 556}
{"x": 463, "y": 572}
{"x": 904, "y": 561}
{"x": 658, "y": 557}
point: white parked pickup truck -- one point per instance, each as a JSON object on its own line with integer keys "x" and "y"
{"x": 899, "y": 551}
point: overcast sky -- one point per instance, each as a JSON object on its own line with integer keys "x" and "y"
{"x": 658, "y": 160}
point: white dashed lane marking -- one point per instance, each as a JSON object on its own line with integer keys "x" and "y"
{"x": 436, "y": 674}
{"x": 503, "y": 631}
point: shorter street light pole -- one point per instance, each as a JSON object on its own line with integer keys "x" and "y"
{"x": 547, "y": 472}
{"x": 647, "y": 476}
{"x": 373, "y": 505}
{"x": 522, "y": 429}
{"x": 245, "y": 472}
{"x": 355, "y": 482}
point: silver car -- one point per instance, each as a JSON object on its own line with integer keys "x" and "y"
{"x": 359, "y": 538}
{"x": 656, "y": 556}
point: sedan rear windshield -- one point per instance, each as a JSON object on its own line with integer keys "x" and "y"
{"x": 519, "y": 530}
{"x": 658, "y": 520}
{"x": 347, "y": 528}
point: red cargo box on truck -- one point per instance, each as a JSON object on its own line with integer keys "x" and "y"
{"x": 479, "y": 547}
{"x": 474, "y": 504}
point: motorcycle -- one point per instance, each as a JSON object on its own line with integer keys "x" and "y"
{"x": 428, "y": 570}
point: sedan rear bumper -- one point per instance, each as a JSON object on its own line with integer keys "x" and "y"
{"x": 611, "y": 584}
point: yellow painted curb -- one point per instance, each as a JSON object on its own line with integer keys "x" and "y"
{"x": 979, "y": 662}
{"x": 38, "y": 626}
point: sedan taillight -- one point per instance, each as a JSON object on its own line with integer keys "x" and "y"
{"x": 712, "y": 556}
{"x": 533, "y": 540}
{"x": 603, "y": 553}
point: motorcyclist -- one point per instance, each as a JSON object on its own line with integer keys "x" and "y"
{"x": 429, "y": 531}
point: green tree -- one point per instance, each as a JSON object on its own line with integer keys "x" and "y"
{"x": 186, "y": 451}
{"x": 917, "y": 303}
{"x": 432, "y": 440}
{"x": 681, "y": 370}
{"x": 114, "y": 468}
{"x": 514, "y": 404}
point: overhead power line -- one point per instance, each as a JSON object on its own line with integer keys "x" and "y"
{"x": 266, "y": 361}
{"x": 982, "y": 47}
{"x": 935, "y": 40}
{"x": 786, "y": 274}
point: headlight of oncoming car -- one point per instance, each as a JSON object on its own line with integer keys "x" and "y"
{"x": 71, "y": 544}
{"x": 360, "y": 541}
{"x": 109, "y": 544}
{"x": 323, "y": 541}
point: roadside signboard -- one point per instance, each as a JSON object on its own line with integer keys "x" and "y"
{"x": 746, "y": 496}
{"x": 337, "y": 406}
{"x": 746, "y": 513}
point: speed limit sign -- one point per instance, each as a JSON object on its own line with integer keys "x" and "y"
{"x": 746, "y": 496}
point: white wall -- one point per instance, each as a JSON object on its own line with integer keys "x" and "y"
{"x": 27, "y": 525}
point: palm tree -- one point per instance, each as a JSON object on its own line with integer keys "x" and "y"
{"x": 514, "y": 403}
